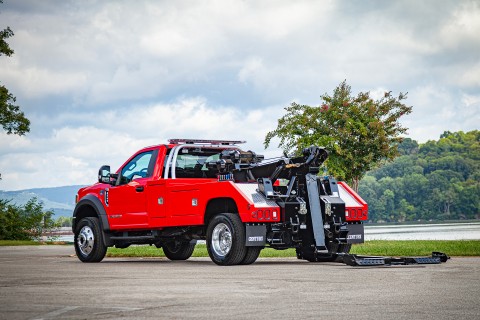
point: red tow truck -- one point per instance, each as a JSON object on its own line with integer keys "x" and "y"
{"x": 172, "y": 195}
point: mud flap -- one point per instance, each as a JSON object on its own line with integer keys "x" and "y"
{"x": 355, "y": 233}
{"x": 255, "y": 235}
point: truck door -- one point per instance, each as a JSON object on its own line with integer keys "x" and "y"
{"x": 127, "y": 205}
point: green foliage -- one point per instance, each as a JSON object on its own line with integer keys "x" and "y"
{"x": 64, "y": 221}
{"x": 11, "y": 118}
{"x": 5, "y": 34}
{"x": 358, "y": 131}
{"x": 26, "y": 222}
{"x": 438, "y": 180}
{"x": 5, "y": 243}
{"x": 200, "y": 251}
{"x": 4, "y": 47}
{"x": 408, "y": 146}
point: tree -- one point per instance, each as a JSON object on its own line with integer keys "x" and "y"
{"x": 440, "y": 181}
{"x": 25, "y": 222}
{"x": 64, "y": 221}
{"x": 388, "y": 200}
{"x": 11, "y": 118}
{"x": 408, "y": 146}
{"x": 359, "y": 132}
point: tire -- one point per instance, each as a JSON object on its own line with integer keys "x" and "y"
{"x": 178, "y": 250}
{"x": 251, "y": 255}
{"x": 88, "y": 240}
{"x": 226, "y": 239}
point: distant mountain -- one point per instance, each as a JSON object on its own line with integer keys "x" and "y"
{"x": 61, "y": 200}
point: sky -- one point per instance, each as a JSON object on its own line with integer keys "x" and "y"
{"x": 101, "y": 79}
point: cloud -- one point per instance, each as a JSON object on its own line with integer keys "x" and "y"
{"x": 441, "y": 110}
{"x": 72, "y": 155}
{"x": 100, "y": 79}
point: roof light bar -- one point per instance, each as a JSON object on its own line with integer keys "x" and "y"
{"x": 202, "y": 141}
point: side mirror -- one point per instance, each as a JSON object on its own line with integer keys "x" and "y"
{"x": 104, "y": 174}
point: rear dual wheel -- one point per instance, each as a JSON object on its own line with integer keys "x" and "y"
{"x": 251, "y": 255}
{"x": 226, "y": 241}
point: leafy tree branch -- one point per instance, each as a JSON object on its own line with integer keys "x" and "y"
{"x": 358, "y": 131}
{"x": 12, "y": 119}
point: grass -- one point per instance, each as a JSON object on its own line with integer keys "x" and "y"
{"x": 374, "y": 247}
{"x": 200, "y": 251}
{"x": 29, "y": 243}
{"x": 19, "y": 243}
{"x": 418, "y": 247}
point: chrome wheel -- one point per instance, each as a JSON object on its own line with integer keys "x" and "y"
{"x": 226, "y": 239}
{"x": 85, "y": 240}
{"x": 89, "y": 243}
{"x": 221, "y": 239}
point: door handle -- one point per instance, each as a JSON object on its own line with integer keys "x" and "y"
{"x": 139, "y": 188}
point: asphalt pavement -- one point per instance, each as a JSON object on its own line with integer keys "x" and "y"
{"x": 49, "y": 282}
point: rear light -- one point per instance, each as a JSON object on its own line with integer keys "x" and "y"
{"x": 356, "y": 214}
{"x": 258, "y": 214}
{"x": 265, "y": 215}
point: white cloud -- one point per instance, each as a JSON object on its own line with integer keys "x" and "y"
{"x": 73, "y": 155}
{"x": 437, "y": 110}
{"x": 469, "y": 77}
{"x": 35, "y": 82}
{"x": 464, "y": 25}
{"x": 251, "y": 70}
{"x": 100, "y": 79}
{"x": 471, "y": 100}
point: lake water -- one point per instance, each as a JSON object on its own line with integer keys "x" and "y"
{"x": 441, "y": 231}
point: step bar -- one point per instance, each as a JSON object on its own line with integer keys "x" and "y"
{"x": 366, "y": 261}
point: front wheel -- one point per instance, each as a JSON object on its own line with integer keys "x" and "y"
{"x": 178, "y": 250}
{"x": 88, "y": 240}
{"x": 226, "y": 239}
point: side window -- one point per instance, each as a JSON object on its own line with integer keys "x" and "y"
{"x": 138, "y": 167}
{"x": 192, "y": 163}
{"x": 187, "y": 161}
{"x": 186, "y": 166}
